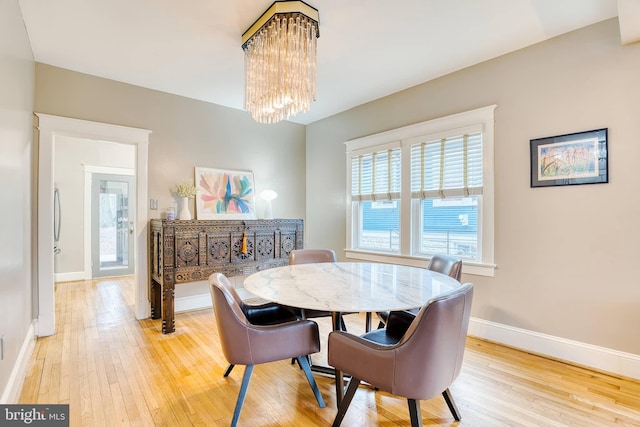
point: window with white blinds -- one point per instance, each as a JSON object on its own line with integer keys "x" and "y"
{"x": 447, "y": 167}
{"x": 424, "y": 189}
{"x": 376, "y": 176}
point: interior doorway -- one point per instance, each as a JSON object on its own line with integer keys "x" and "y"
{"x": 51, "y": 127}
{"x": 76, "y": 160}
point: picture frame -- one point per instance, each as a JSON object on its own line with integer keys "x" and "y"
{"x": 571, "y": 159}
{"x": 224, "y": 194}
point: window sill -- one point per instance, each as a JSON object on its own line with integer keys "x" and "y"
{"x": 473, "y": 268}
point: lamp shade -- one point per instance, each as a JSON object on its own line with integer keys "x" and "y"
{"x": 268, "y": 196}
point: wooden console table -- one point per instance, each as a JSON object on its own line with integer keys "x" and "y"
{"x": 189, "y": 251}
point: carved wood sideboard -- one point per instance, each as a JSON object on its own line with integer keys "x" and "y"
{"x": 189, "y": 251}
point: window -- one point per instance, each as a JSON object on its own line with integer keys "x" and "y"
{"x": 446, "y": 189}
{"x": 424, "y": 189}
{"x": 375, "y": 187}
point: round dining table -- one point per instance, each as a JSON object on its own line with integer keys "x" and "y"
{"x": 342, "y": 287}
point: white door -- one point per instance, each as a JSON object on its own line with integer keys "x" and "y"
{"x": 112, "y": 225}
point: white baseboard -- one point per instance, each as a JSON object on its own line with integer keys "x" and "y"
{"x": 11, "y": 393}
{"x": 599, "y": 358}
{"x": 45, "y": 325}
{"x": 197, "y": 302}
{"x": 69, "y": 277}
{"x": 193, "y": 302}
{"x": 203, "y": 300}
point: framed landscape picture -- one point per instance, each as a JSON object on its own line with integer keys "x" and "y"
{"x": 576, "y": 158}
{"x": 224, "y": 194}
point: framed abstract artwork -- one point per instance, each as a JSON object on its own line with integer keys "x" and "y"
{"x": 224, "y": 194}
{"x": 575, "y": 158}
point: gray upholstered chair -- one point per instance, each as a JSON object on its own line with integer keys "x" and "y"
{"x": 309, "y": 256}
{"x": 246, "y": 344}
{"x": 445, "y": 264}
{"x": 418, "y": 365}
{"x": 269, "y": 313}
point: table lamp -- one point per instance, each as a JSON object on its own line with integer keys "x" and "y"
{"x": 268, "y": 196}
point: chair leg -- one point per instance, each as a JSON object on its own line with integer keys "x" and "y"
{"x": 346, "y": 401}
{"x": 342, "y": 324}
{"x": 337, "y": 321}
{"x": 293, "y": 361}
{"x": 339, "y": 386}
{"x": 304, "y": 363}
{"x": 448, "y": 397}
{"x": 367, "y": 322}
{"x": 414, "y": 412}
{"x": 248, "y": 370}
{"x": 228, "y": 371}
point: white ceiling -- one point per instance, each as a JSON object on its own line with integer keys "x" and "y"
{"x": 367, "y": 48}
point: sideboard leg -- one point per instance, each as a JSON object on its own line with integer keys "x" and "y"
{"x": 168, "y": 321}
{"x": 155, "y": 297}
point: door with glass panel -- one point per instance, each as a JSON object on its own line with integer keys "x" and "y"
{"x": 112, "y": 231}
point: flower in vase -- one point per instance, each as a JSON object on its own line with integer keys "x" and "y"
{"x": 186, "y": 189}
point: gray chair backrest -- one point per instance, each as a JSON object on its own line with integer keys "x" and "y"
{"x": 446, "y": 264}
{"x": 246, "y": 344}
{"x": 429, "y": 355}
{"x": 307, "y": 256}
{"x": 231, "y": 320}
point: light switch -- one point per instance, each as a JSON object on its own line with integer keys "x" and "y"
{"x": 153, "y": 204}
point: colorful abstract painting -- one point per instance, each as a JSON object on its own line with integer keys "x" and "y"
{"x": 224, "y": 194}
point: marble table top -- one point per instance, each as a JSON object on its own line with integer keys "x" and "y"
{"x": 349, "y": 286}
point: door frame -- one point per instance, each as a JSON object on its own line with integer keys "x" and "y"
{"x": 48, "y": 127}
{"x": 89, "y": 171}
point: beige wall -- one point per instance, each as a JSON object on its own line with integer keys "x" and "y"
{"x": 185, "y": 133}
{"x": 16, "y": 135}
{"x": 567, "y": 257}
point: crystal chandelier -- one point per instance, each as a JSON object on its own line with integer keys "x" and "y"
{"x": 280, "y": 61}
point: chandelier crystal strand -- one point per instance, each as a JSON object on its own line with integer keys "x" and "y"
{"x": 280, "y": 67}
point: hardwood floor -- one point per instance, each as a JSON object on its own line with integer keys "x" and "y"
{"x": 114, "y": 370}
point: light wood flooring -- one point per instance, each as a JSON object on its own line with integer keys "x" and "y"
{"x": 114, "y": 370}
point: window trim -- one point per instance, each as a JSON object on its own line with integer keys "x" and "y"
{"x": 405, "y": 136}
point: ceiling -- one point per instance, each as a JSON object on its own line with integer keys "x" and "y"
{"x": 367, "y": 48}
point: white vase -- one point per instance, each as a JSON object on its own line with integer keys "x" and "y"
{"x": 185, "y": 214}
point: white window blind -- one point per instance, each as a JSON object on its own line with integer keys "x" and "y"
{"x": 376, "y": 176}
{"x": 447, "y": 167}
